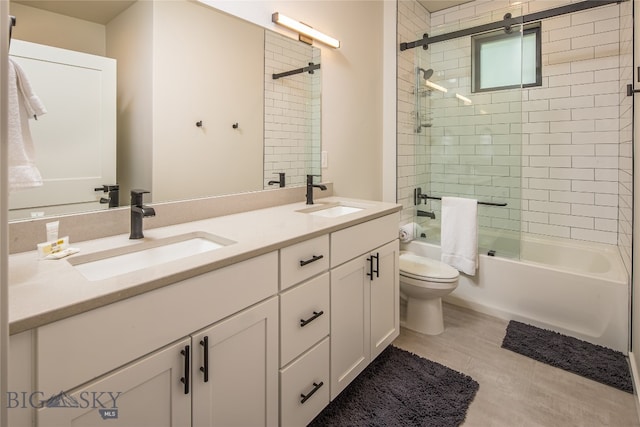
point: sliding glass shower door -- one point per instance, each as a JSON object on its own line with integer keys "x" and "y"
{"x": 469, "y": 130}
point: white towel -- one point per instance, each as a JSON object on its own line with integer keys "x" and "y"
{"x": 23, "y": 105}
{"x": 407, "y": 232}
{"x": 410, "y": 231}
{"x": 459, "y": 234}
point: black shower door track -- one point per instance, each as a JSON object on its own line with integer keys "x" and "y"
{"x": 508, "y": 21}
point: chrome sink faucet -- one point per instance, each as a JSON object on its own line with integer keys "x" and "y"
{"x": 138, "y": 212}
{"x": 310, "y": 186}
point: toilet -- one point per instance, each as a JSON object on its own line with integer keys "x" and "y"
{"x": 423, "y": 283}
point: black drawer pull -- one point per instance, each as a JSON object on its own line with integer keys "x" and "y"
{"x": 309, "y": 261}
{"x": 185, "y": 380}
{"x": 316, "y": 314}
{"x": 306, "y": 397}
{"x": 205, "y": 369}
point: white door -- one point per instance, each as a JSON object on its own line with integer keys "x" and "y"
{"x": 75, "y": 141}
{"x": 148, "y": 392}
{"x": 241, "y": 355}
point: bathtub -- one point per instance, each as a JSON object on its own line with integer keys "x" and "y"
{"x": 578, "y": 289}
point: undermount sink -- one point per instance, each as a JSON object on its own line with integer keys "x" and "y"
{"x": 331, "y": 210}
{"x": 126, "y": 259}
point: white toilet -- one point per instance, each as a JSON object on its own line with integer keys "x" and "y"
{"x": 423, "y": 283}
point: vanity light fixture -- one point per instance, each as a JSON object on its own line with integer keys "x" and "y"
{"x": 435, "y": 86}
{"x": 304, "y": 29}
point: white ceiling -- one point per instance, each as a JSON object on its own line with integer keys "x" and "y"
{"x": 436, "y": 5}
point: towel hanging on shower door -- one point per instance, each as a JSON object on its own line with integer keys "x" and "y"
{"x": 459, "y": 234}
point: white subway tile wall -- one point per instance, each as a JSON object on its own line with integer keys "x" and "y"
{"x": 413, "y": 21}
{"x": 564, "y": 148}
{"x": 292, "y": 111}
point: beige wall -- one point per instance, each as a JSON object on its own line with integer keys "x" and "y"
{"x": 352, "y": 80}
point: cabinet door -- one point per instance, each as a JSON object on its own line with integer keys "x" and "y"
{"x": 242, "y": 363}
{"x": 148, "y": 392}
{"x": 20, "y": 412}
{"x": 350, "y": 333}
{"x": 385, "y": 298}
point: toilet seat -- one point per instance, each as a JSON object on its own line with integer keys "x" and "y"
{"x": 420, "y": 268}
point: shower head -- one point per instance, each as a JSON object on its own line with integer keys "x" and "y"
{"x": 426, "y": 73}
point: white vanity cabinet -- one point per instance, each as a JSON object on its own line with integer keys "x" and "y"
{"x": 263, "y": 341}
{"x": 304, "y": 330}
{"x": 163, "y": 385}
{"x": 235, "y": 370}
{"x": 147, "y": 392}
{"x": 20, "y": 411}
{"x": 225, "y": 375}
{"x": 364, "y": 297}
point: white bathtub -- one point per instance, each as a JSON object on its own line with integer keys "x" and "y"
{"x": 578, "y": 289}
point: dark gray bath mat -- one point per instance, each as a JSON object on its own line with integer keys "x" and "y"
{"x": 401, "y": 389}
{"x": 591, "y": 361}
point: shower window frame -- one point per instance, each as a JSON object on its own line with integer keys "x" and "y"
{"x": 478, "y": 40}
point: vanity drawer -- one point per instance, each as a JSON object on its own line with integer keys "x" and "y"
{"x": 360, "y": 239}
{"x": 303, "y": 260}
{"x": 302, "y": 377}
{"x": 308, "y": 302}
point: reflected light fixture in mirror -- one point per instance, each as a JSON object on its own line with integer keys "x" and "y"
{"x": 464, "y": 99}
{"x": 303, "y": 29}
{"x": 432, "y": 85}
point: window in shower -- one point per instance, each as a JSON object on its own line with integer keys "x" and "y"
{"x": 506, "y": 60}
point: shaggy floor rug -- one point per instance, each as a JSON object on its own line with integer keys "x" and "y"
{"x": 591, "y": 361}
{"x": 401, "y": 389}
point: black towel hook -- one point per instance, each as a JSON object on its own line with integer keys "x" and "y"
{"x": 12, "y": 23}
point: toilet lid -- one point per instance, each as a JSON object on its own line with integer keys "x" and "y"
{"x": 419, "y": 267}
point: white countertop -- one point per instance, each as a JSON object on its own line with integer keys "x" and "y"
{"x": 44, "y": 291}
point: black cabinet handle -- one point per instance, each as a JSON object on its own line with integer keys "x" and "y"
{"x": 306, "y": 397}
{"x": 316, "y": 314}
{"x": 185, "y": 380}
{"x": 205, "y": 369}
{"x": 377, "y": 269}
{"x": 312, "y": 259}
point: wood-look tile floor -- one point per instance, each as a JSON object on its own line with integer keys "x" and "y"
{"x": 515, "y": 390}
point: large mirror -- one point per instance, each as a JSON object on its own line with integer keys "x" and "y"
{"x": 174, "y": 97}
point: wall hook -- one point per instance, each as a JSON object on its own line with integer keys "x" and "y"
{"x": 235, "y": 125}
{"x": 199, "y": 123}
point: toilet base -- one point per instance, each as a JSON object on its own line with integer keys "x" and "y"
{"x": 425, "y": 316}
